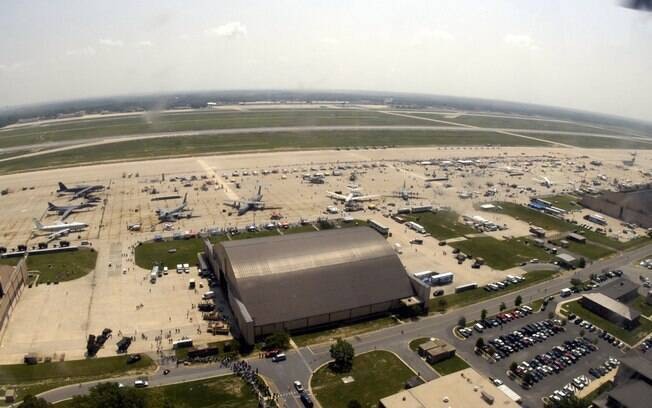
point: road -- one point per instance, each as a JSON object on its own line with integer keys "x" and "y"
{"x": 302, "y": 362}
{"x": 64, "y": 145}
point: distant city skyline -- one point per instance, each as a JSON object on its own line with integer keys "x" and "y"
{"x": 589, "y": 55}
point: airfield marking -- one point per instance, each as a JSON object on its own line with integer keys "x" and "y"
{"x": 230, "y": 194}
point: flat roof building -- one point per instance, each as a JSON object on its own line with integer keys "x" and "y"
{"x": 436, "y": 350}
{"x": 567, "y": 260}
{"x": 300, "y": 281}
{"x": 464, "y": 388}
{"x": 621, "y": 289}
{"x": 611, "y": 309}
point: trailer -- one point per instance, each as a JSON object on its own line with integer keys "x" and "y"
{"x": 510, "y": 393}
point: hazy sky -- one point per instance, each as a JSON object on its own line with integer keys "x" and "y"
{"x": 586, "y": 54}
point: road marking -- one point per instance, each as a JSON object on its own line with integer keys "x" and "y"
{"x": 230, "y": 194}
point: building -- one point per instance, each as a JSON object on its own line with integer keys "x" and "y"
{"x": 611, "y": 309}
{"x": 436, "y": 350}
{"x": 567, "y": 260}
{"x": 633, "y": 383}
{"x": 300, "y": 281}
{"x": 464, "y": 388}
{"x": 621, "y": 289}
{"x": 12, "y": 283}
{"x": 629, "y": 206}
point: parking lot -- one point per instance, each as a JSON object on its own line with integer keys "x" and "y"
{"x": 550, "y": 382}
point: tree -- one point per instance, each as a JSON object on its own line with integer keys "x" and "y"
{"x": 278, "y": 340}
{"x": 574, "y": 402}
{"x": 582, "y": 262}
{"x": 576, "y": 282}
{"x": 513, "y": 366}
{"x": 31, "y": 401}
{"x": 479, "y": 343}
{"x": 503, "y": 306}
{"x": 442, "y": 304}
{"x": 483, "y": 314}
{"x": 518, "y": 300}
{"x": 342, "y": 353}
{"x": 462, "y": 322}
{"x": 354, "y": 404}
{"x": 110, "y": 395}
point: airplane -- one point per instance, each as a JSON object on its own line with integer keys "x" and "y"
{"x": 404, "y": 193}
{"x": 65, "y": 210}
{"x": 544, "y": 181}
{"x": 255, "y": 203}
{"x": 174, "y": 213}
{"x": 354, "y": 195}
{"x": 58, "y": 234}
{"x": 78, "y": 191}
{"x": 59, "y": 226}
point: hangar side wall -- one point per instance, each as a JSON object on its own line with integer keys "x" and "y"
{"x": 12, "y": 284}
{"x": 615, "y": 209}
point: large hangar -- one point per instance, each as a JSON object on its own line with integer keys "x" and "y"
{"x": 304, "y": 280}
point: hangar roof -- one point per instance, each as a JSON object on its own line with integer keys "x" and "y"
{"x": 284, "y": 278}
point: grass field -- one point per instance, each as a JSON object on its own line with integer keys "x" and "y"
{"x": 612, "y": 242}
{"x": 531, "y": 216}
{"x": 479, "y": 294}
{"x": 517, "y": 123}
{"x": 450, "y": 365}
{"x": 189, "y": 121}
{"x": 501, "y": 254}
{"x": 376, "y": 375}
{"x": 13, "y": 261}
{"x": 589, "y": 250}
{"x": 343, "y": 331}
{"x": 224, "y": 392}
{"x": 564, "y": 201}
{"x": 442, "y": 225}
{"x": 641, "y": 305}
{"x": 594, "y": 141}
{"x": 62, "y": 266}
{"x": 628, "y": 336}
{"x": 153, "y": 253}
{"x": 205, "y": 144}
{"x": 33, "y": 379}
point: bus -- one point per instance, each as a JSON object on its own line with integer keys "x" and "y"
{"x": 418, "y": 228}
{"x": 182, "y": 343}
{"x": 383, "y": 230}
{"x": 464, "y": 288}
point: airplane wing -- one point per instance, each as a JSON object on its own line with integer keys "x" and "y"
{"x": 66, "y": 213}
{"x": 335, "y": 195}
{"x": 365, "y": 198}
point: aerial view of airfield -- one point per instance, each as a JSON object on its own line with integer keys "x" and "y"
{"x": 294, "y": 248}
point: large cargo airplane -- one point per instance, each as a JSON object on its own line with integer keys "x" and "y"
{"x": 59, "y": 226}
{"x": 65, "y": 210}
{"x": 78, "y": 191}
{"x": 255, "y": 203}
{"x": 174, "y": 213}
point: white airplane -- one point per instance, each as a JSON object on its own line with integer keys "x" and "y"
{"x": 58, "y": 234}
{"x": 544, "y": 181}
{"x": 353, "y": 196}
{"x": 59, "y": 226}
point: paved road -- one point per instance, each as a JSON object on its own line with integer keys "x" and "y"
{"x": 64, "y": 145}
{"x": 303, "y": 361}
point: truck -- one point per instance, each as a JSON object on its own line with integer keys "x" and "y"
{"x": 510, "y": 393}
{"x": 566, "y": 292}
{"x": 152, "y": 277}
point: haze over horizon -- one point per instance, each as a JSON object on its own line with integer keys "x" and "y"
{"x": 590, "y": 55}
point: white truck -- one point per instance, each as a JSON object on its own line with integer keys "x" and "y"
{"x": 510, "y": 393}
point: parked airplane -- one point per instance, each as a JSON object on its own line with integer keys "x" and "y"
{"x": 78, "y": 191}
{"x": 59, "y": 226}
{"x": 544, "y": 181}
{"x": 405, "y": 193}
{"x": 58, "y": 234}
{"x": 65, "y": 210}
{"x": 174, "y": 213}
{"x": 255, "y": 203}
{"x": 354, "y": 195}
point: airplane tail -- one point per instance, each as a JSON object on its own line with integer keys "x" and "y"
{"x": 62, "y": 187}
{"x": 51, "y": 206}
{"x": 37, "y": 223}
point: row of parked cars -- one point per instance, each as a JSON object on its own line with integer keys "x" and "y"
{"x": 603, "y": 369}
{"x": 576, "y": 384}
{"x": 498, "y": 320}
{"x": 509, "y": 280}
{"x": 646, "y": 345}
{"x": 594, "y": 329}
{"x": 554, "y": 361}
{"x": 524, "y": 337}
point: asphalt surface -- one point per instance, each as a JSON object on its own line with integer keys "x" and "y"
{"x": 302, "y": 362}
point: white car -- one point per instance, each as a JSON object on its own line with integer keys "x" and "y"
{"x": 141, "y": 383}
{"x": 298, "y": 386}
